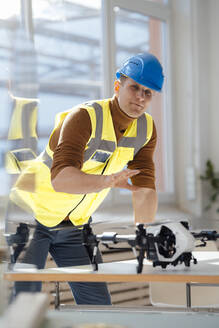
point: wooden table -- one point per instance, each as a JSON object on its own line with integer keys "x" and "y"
{"x": 206, "y": 272}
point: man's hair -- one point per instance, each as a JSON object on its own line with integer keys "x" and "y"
{"x": 122, "y": 78}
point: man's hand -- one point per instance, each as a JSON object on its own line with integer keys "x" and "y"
{"x": 120, "y": 180}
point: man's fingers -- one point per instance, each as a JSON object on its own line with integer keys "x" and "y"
{"x": 125, "y": 175}
{"x": 121, "y": 177}
{"x": 133, "y": 172}
{"x": 129, "y": 173}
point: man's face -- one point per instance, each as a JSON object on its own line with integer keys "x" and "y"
{"x": 133, "y": 98}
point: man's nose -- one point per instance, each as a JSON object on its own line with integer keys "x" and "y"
{"x": 140, "y": 94}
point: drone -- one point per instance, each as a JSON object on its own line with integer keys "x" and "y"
{"x": 162, "y": 243}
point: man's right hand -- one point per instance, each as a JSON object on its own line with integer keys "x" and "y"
{"x": 120, "y": 180}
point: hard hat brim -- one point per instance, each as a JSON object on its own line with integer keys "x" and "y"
{"x": 146, "y": 84}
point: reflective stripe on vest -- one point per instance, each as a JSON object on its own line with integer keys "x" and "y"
{"x": 97, "y": 143}
{"x": 138, "y": 141}
{"x": 129, "y": 142}
{"x": 47, "y": 160}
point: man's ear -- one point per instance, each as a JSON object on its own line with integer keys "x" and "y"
{"x": 116, "y": 87}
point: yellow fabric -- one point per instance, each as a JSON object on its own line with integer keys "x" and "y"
{"x": 15, "y": 129}
{"x": 51, "y": 207}
{"x": 14, "y": 165}
{"x": 33, "y": 123}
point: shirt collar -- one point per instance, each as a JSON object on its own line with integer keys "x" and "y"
{"x": 120, "y": 119}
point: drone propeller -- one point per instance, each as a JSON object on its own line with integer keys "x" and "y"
{"x": 158, "y": 223}
{"x": 123, "y": 227}
{"x": 133, "y": 225}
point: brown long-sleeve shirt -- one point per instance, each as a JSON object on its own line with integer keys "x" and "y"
{"x": 70, "y": 138}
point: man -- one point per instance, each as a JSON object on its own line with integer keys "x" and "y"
{"x": 87, "y": 151}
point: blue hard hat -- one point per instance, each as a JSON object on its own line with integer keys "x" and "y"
{"x": 144, "y": 69}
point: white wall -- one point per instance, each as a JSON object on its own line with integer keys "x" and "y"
{"x": 195, "y": 30}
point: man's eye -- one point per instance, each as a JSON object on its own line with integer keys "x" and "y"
{"x": 148, "y": 93}
{"x": 135, "y": 87}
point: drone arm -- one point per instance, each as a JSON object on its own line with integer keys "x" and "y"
{"x": 207, "y": 235}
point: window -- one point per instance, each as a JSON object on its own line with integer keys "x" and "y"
{"x": 67, "y": 43}
{"x": 10, "y": 24}
{"x": 134, "y": 31}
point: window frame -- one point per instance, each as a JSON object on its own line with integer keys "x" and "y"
{"x": 161, "y": 11}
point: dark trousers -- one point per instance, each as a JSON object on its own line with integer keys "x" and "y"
{"x": 66, "y": 248}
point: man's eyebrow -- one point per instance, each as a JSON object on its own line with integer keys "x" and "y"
{"x": 134, "y": 84}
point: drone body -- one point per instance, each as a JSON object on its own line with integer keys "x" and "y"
{"x": 173, "y": 242}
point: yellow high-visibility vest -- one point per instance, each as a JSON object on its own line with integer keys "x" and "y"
{"x": 103, "y": 155}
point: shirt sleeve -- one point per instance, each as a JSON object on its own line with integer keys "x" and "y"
{"x": 69, "y": 140}
{"x": 143, "y": 161}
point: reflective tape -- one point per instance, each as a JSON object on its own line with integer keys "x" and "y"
{"x": 141, "y": 138}
{"x": 107, "y": 145}
{"x": 96, "y": 142}
{"x": 47, "y": 160}
{"x": 29, "y": 119}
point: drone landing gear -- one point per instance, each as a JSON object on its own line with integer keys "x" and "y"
{"x": 91, "y": 243}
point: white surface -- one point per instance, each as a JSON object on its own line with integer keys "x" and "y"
{"x": 207, "y": 265}
{"x": 84, "y": 269}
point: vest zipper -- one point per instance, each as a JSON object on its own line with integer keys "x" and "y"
{"x": 105, "y": 167}
{"x": 86, "y": 194}
{"x": 77, "y": 204}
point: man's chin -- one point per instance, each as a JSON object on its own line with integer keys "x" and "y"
{"x": 135, "y": 113}
{"x": 135, "y": 116}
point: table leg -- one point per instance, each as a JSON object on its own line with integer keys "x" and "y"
{"x": 57, "y": 296}
{"x": 188, "y": 295}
